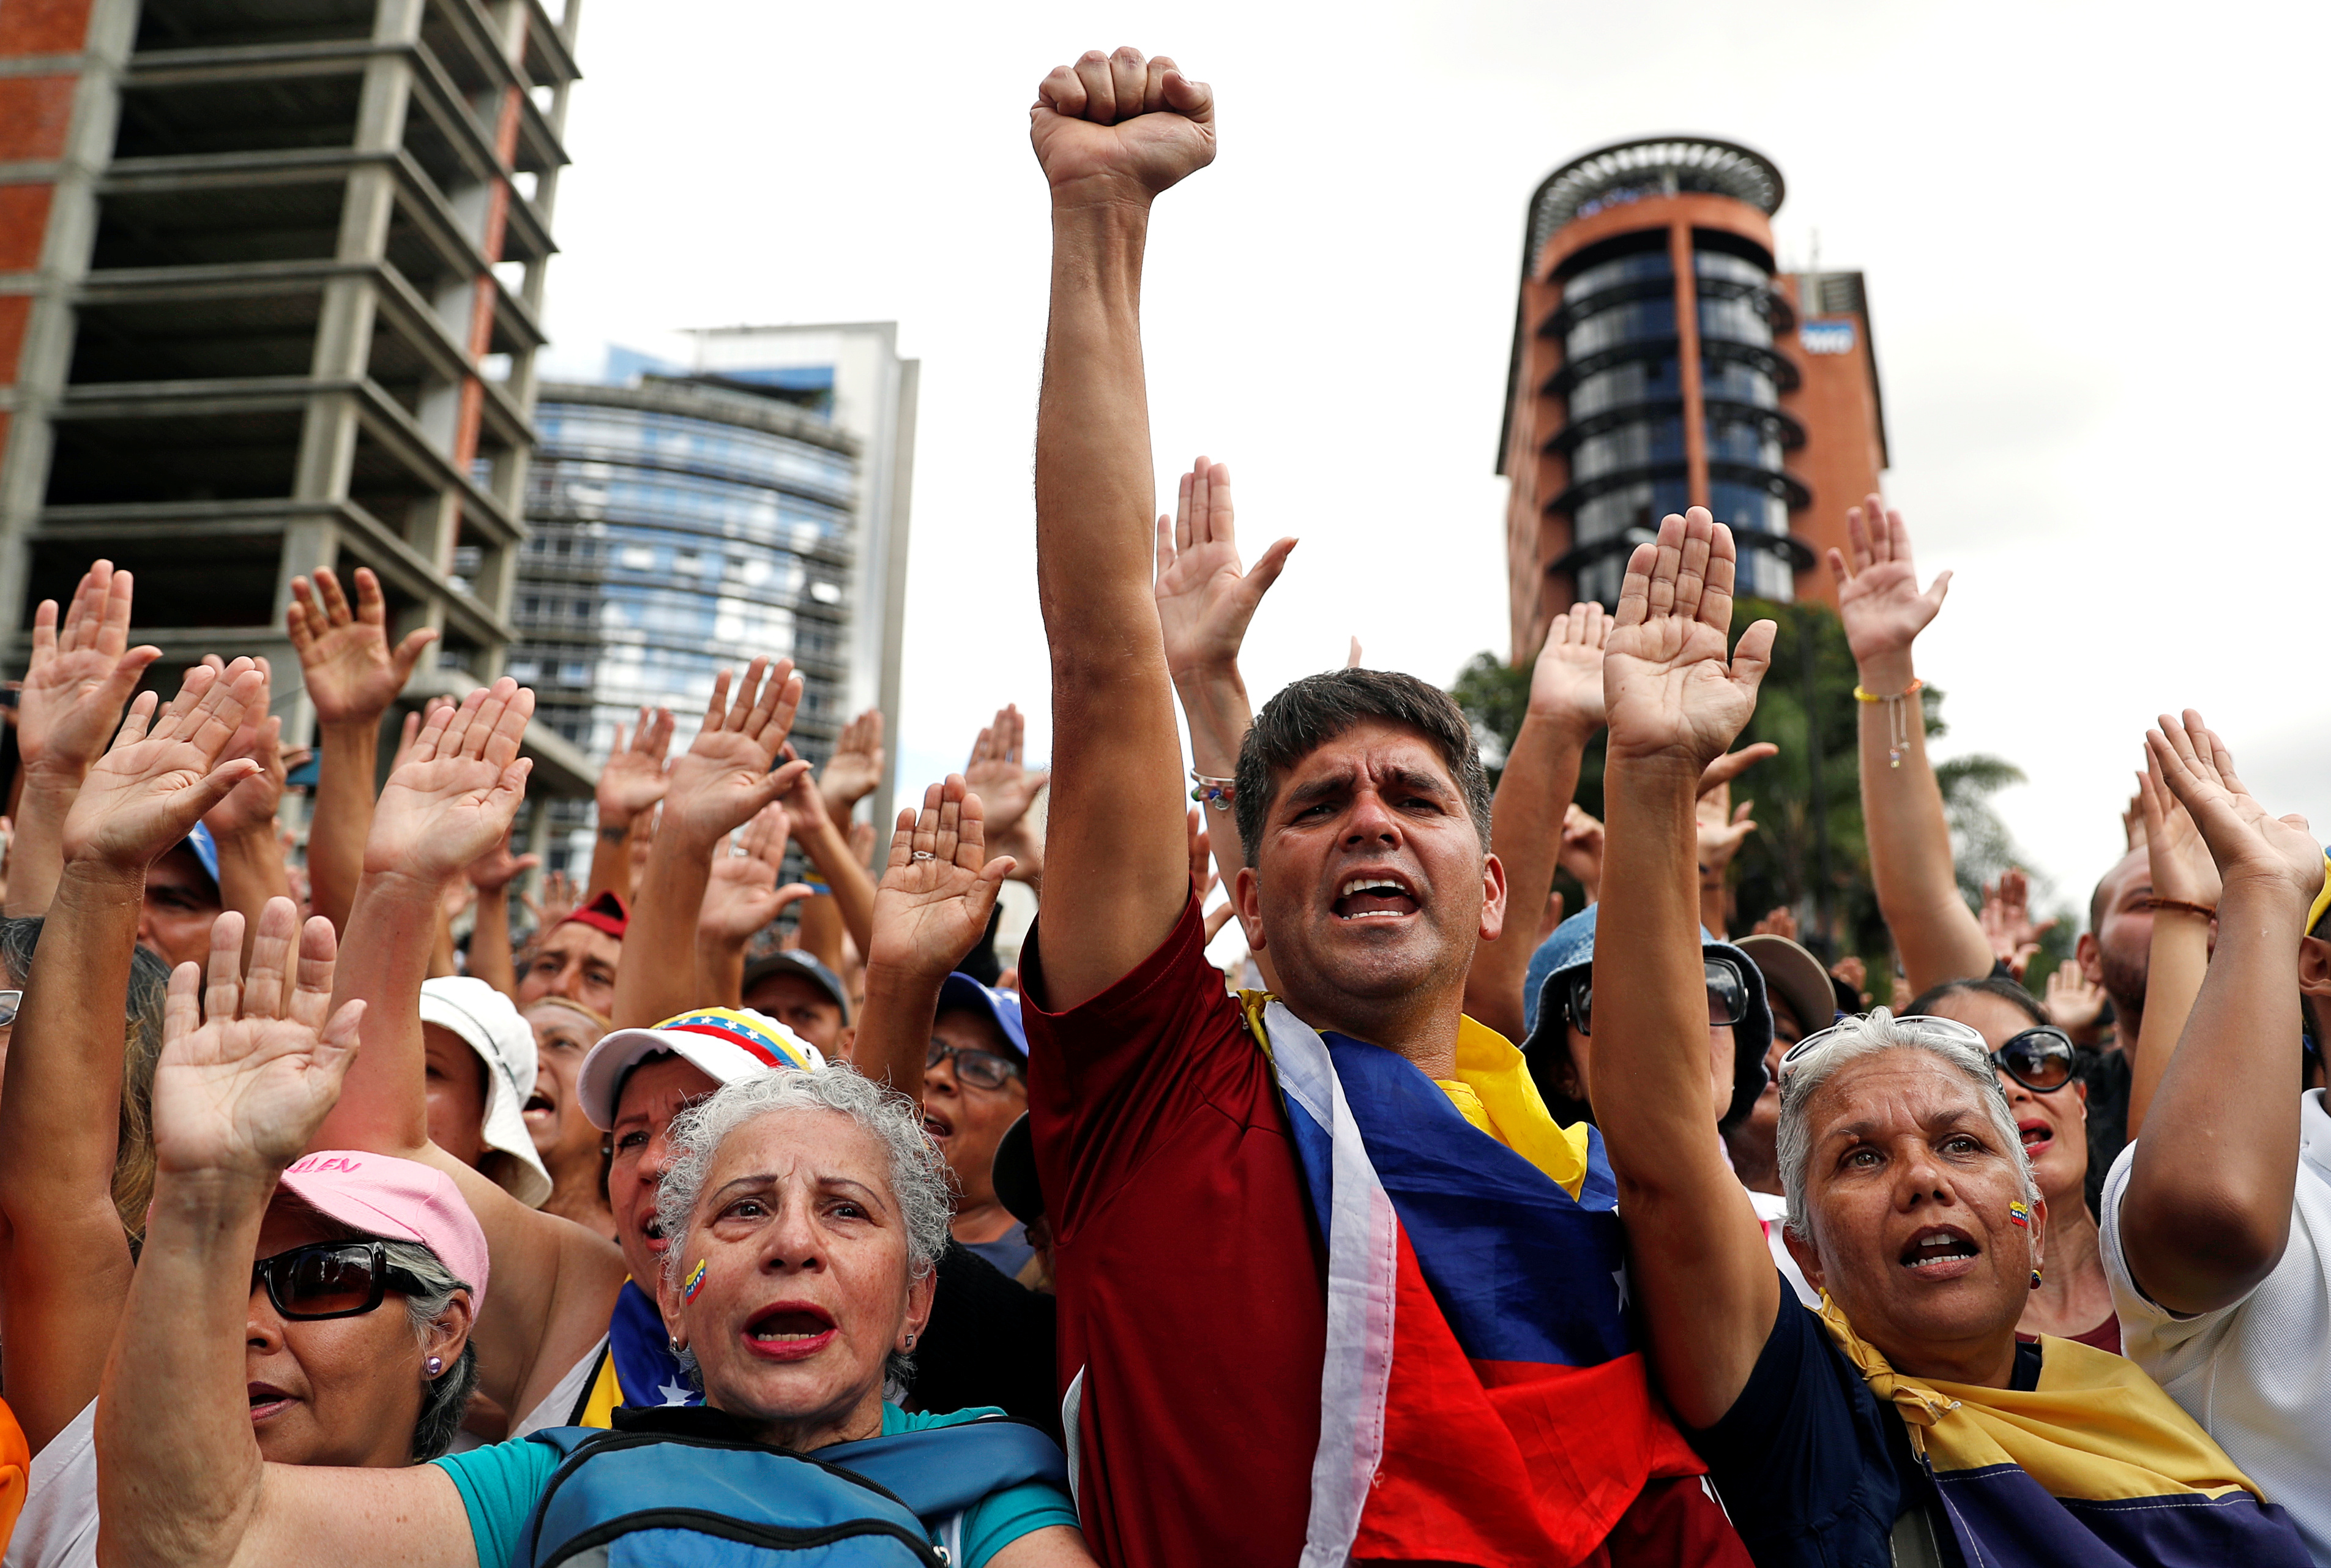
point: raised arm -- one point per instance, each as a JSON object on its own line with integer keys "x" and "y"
{"x": 180, "y": 1480}
{"x": 1111, "y": 132}
{"x": 2207, "y": 1211}
{"x": 630, "y": 786}
{"x": 849, "y": 884}
{"x": 853, "y": 769}
{"x": 1566, "y": 709}
{"x": 936, "y": 892}
{"x": 491, "y": 874}
{"x": 741, "y": 898}
{"x": 716, "y": 786}
{"x": 1704, "y": 1278}
{"x": 251, "y": 869}
{"x": 2185, "y": 892}
{"x": 353, "y": 675}
{"x": 451, "y": 797}
{"x": 65, "y": 1268}
{"x": 1878, "y": 600}
{"x": 78, "y": 676}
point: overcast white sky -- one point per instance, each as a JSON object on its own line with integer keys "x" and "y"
{"x": 2092, "y": 234}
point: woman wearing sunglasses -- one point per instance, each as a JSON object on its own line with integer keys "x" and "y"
{"x": 2036, "y": 1063}
{"x": 1903, "y": 1421}
{"x": 805, "y": 1211}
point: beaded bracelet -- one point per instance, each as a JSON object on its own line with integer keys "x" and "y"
{"x": 1217, "y": 793}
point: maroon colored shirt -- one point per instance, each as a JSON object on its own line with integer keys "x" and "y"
{"x": 1194, "y": 1316}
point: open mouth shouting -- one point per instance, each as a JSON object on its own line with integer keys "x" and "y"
{"x": 651, "y": 1233}
{"x": 1375, "y": 896}
{"x": 2036, "y": 1134}
{"x": 1940, "y": 1252}
{"x": 937, "y": 1125}
{"x": 789, "y": 1331}
{"x": 538, "y": 1110}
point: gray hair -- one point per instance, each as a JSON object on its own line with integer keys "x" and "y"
{"x": 446, "y": 1397}
{"x": 918, "y": 1173}
{"x": 1853, "y": 1038}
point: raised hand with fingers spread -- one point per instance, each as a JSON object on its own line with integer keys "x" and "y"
{"x": 996, "y": 774}
{"x": 453, "y": 797}
{"x": 743, "y": 896}
{"x": 1672, "y": 695}
{"x": 69, "y": 703}
{"x": 1204, "y": 598}
{"x": 2007, "y": 923}
{"x": 1878, "y": 593}
{"x": 725, "y": 775}
{"x": 2275, "y": 856}
{"x": 249, "y": 1071}
{"x": 2076, "y": 1003}
{"x": 352, "y": 672}
{"x": 1566, "y": 682}
{"x": 633, "y": 782}
{"x": 853, "y": 769}
{"x": 165, "y": 770}
{"x": 937, "y": 889}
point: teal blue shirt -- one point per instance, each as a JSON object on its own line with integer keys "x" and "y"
{"x": 500, "y": 1486}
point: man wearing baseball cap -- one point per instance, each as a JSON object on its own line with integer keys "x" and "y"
{"x": 576, "y": 958}
{"x": 975, "y": 1086}
{"x": 792, "y": 986}
{"x": 182, "y": 901}
{"x": 481, "y": 1066}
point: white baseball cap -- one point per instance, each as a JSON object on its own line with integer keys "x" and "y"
{"x": 491, "y": 1025}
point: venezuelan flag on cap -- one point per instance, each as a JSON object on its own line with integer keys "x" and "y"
{"x": 1482, "y": 1400}
{"x": 728, "y": 1043}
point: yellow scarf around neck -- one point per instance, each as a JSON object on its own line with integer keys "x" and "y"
{"x": 2097, "y": 1428}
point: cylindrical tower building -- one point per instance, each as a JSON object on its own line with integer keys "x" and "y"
{"x": 1650, "y": 373}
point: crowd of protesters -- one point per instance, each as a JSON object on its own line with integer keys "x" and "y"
{"x": 709, "y": 1217}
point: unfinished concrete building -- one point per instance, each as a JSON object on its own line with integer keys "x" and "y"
{"x": 271, "y": 276}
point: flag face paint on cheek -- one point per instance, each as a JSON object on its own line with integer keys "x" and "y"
{"x": 2018, "y": 1212}
{"x": 695, "y": 1282}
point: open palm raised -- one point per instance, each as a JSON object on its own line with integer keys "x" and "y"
{"x": 162, "y": 772}
{"x": 241, "y": 1091}
{"x": 1668, "y": 689}
{"x": 939, "y": 886}
{"x": 456, "y": 789}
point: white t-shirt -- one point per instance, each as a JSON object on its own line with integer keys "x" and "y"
{"x": 2257, "y": 1374}
{"x": 1774, "y": 1210}
{"x": 58, "y": 1529}
{"x": 555, "y": 1406}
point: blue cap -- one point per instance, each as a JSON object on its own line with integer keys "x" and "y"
{"x": 960, "y": 990}
{"x": 1571, "y": 948}
{"x": 205, "y": 848}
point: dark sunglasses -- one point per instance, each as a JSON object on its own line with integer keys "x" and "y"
{"x": 331, "y": 1279}
{"x": 1728, "y": 996}
{"x": 10, "y": 1000}
{"x": 979, "y": 1068}
{"x": 2039, "y": 1058}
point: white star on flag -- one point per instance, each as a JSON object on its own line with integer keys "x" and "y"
{"x": 674, "y": 1393}
{"x": 1619, "y": 1279}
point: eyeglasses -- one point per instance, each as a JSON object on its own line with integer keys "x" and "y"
{"x": 331, "y": 1279}
{"x": 2040, "y": 1059}
{"x": 979, "y": 1068}
{"x": 1948, "y": 1029}
{"x": 10, "y": 1000}
{"x": 1728, "y": 996}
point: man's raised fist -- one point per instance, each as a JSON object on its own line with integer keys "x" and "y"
{"x": 1119, "y": 127}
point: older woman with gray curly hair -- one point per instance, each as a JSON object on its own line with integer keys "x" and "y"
{"x": 805, "y": 1210}
{"x": 1904, "y": 1422}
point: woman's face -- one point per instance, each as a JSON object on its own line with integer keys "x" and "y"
{"x": 454, "y": 1080}
{"x": 964, "y": 1119}
{"x": 554, "y": 1116}
{"x": 345, "y": 1391}
{"x": 2055, "y": 1124}
{"x": 1906, "y": 1193}
{"x": 652, "y": 1094}
{"x": 807, "y": 1285}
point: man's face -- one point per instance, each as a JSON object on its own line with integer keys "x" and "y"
{"x": 181, "y": 903}
{"x": 1906, "y": 1193}
{"x": 801, "y": 1005}
{"x": 653, "y": 1094}
{"x": 1370, "y": 881}
{"x": 574, "y": 961}
{"x": 965, "y": 1120}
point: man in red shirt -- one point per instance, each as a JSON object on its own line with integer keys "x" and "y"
{"x": 1204, "y": 1264}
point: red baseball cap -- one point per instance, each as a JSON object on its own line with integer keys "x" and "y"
{"x": 604, "y": 913}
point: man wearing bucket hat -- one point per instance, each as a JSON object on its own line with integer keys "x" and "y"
{"x": 480, "y": 1067}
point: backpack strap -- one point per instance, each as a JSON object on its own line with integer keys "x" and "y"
{"x": 942, "y": 1471}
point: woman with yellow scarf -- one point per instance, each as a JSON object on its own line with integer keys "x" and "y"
{"x": 1904, "y": 1422}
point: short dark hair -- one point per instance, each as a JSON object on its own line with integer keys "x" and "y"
{"x": 1312, "y": 711}
{"x": 2006, "y": 990}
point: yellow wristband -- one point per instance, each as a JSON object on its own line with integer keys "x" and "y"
{"x": 1861, "y": 695}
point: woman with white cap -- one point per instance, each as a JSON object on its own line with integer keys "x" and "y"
{"x": 480, "y": 1055}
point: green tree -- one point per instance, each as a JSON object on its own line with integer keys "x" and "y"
{"x": 1810, "y": 851}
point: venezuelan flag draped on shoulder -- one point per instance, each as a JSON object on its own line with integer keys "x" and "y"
{"x": 1483, "y": 1400}
{"x": 2096, "y": 1468}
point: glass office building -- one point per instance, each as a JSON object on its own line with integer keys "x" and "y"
{"x": 682, "y": 525}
